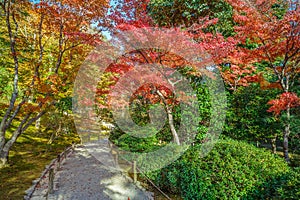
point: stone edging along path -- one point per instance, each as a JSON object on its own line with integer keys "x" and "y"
{"x": 82, "y": 177}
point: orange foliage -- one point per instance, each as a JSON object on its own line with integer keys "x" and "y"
{"x": 286, "y": 100}
{"x": 265, "y": 85}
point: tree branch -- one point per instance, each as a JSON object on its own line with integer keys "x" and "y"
{"x": 15, "y": 93}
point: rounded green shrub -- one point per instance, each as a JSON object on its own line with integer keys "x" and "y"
{"x": 285, "y": 186}
{"x": 232, "y": 170}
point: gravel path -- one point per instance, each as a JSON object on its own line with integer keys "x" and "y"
{"x": 82, "y": 177}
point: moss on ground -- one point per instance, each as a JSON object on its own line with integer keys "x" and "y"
{"x": 28, "y": 158}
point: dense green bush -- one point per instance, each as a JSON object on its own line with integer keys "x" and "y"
{"x": 248, "y": 119}
{"x": 285, "y": 186}
{"x": 290, "y": 189}
{"x": 232, "y": 170}
{"x": 247, "y": 116}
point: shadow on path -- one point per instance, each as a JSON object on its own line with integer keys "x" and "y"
{"x": 83, "y": 177}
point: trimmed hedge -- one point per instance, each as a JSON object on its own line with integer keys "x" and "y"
{"x": 232, "y": 170}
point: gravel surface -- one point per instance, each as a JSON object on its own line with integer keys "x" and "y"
{"x": 83, "y": 177}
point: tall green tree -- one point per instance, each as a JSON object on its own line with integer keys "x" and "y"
{"x": 47, "y": 42}
{"x": 247, "y": 118}
{"x": 174, "y": 13}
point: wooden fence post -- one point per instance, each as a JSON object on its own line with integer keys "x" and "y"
{"x": 114, "y": 152}
{"x": 65, "y": 153}
{"x": 116, "y": 155}
{"x": 134, "y": 171}
{"x": 58, "y": 161}
{"x": 51, "y": 179}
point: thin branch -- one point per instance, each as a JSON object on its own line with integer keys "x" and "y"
{"x": 16, "y": 134}
{"x": 14, "y": 114}
{"x": 15, "y": 93}
{"x": 41, "y": 47}
{"x": 60, "y": 46}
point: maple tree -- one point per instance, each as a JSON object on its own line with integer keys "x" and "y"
{"x": 276, "y": 42}
{"x": 158, "y": 91}
{"x": 48, "y": 41}
{"x": 285, "y": 101}
{"x": 132, "y": 16}
{"x": 209, "y": 22}
{"x": 265, "y": 32}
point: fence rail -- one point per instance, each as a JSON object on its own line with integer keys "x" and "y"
{"x": 51, "y": 169}
{"x": 134, "y": 169}
{"x": 55, "y": 165}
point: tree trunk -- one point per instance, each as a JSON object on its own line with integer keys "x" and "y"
{"x": 286, "y": 136}
{"x": 3, "y": 158}
{"x": 172, "y": 127}
{"x": 273, "y": 144}
{"x": 38, "y": 124}
{"x": 6, "y": 145}
{"x": 55, "y": 134}
{"x": 170, "y": 118}
{"x": 2, "y": 140}
{"x": 4, "y": 151}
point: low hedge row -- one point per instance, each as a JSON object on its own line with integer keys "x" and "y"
{"x": 232, "y": 170}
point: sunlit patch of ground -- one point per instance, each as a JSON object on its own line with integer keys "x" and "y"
{"x": 27, "y": 160}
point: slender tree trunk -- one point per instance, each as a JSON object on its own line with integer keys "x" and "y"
{"x": 55, "y": 134}
{"x": 3, "y": 158}
{"x": 170, "y": 118}
{"x": 38, "y": 124}
{"x": 273, "y": 144}
{"x": 171, "y": 124}
{"x": 286, "y": 135}
{"x": 6, "y": 145}
{"x": 5, "y": 148}
{"x": 6, "y": 120}
{"x": 4, "y": 152}
{"x": 2, "y": 140}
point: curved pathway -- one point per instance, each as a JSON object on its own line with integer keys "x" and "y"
{"x": 82, "y": 177}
